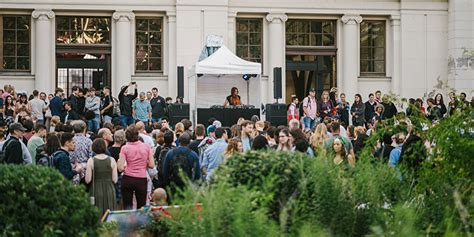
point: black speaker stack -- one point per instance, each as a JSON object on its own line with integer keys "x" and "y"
{"x": 181, "y": 81}
{"x": 276, "y": 114}
{"x": 277, "y": 90}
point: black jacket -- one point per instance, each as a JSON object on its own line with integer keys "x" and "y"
{"x": 126, "y": 102}
{"x": 390, "y": 110}
{"x": 369, "y": 110}
{"x": 73, "y": 115}
{"x": 13, "y": 151}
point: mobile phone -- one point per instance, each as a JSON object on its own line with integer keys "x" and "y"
{"x": 133, "y": 83}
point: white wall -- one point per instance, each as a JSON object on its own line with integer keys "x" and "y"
{"x": 424, "y": 51}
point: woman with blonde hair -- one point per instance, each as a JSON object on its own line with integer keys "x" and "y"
{"x": 319, "y": 137}
{"x": 234, "y": 146}
{"x": 325, "y": 106}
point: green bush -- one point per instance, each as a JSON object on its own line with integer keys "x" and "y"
{"x": 39, "y": 201}
{"x": 288, "y": 194}
{"x": 298, "y": 190}
{"x": 226, "y": 211}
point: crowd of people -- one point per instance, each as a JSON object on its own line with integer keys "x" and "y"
{"x": 128, "y": 155}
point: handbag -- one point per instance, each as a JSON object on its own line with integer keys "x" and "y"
{"x": 92, "y": 197}
{"x": 90, "y": 115}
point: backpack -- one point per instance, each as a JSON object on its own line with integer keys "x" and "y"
{"x": 2, "y": 152}
{"x": 180, "y": 166}
{"x": 300, "y": 107}
{"x": 160, "y": 156}
{"x": 48, "y": 161}
{"x": 116, "y": 107}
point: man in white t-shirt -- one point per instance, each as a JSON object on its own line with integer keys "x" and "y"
{"x": 37, "y": 107}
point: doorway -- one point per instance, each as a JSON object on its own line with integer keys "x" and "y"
{"x": 83, "y": 70}
{"x": 304, "y": 72}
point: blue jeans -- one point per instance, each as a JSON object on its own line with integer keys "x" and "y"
{"x": 126, "y": 120}
{"x": 107, "y": 119}
{"x": 310, "y": 123}
{"x": 94, "y": 124}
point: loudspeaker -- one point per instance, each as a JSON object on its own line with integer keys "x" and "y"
{"x": 276, "y": 114}
{"x": 181, "y": 81}
{"x": 177, "y": 112}
{"x": 277, "y": 83}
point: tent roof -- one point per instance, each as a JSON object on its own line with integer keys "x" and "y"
{"x": 223, "y": 61}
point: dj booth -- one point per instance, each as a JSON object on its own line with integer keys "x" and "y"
{"x": 228, "y": 116}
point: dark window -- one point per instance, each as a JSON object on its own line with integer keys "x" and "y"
{"x": 310, "y": 32}
{"x": 148, "y": 42}
{"x": 372, "y": 48}
{"x": 249, "y": 39}
{"x": 82, "y": 30}
{"x": 15, "y": 43}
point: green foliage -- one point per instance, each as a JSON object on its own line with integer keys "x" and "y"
{"x": 293, "y": 195}
{"x": 38, "y": 201}
{"x": 226, "y": 211}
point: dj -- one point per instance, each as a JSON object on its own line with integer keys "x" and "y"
{"x": 233, "y": 98}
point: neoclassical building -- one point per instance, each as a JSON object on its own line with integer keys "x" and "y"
{"x": 402, "y": 46}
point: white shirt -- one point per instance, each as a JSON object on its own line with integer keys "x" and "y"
{"x": 147, "y": 140}
{"x": 37, "y": 106}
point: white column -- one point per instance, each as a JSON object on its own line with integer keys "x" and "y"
{"x": 44, "y": 77}
{"x": 172, "y": 62}
{"x": 231, "y": 44}
{"x": 396, "y": 49}
{"x": 276, "y": 44}
{"x": 350, "y": 61}
{"x": 124, "y": 58}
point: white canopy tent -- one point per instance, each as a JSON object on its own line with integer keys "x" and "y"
{"x": 218, "y": 74}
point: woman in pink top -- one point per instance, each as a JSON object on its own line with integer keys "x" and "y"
{"x": 135, "y": 157}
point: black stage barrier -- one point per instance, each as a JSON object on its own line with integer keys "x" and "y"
{"x": 177, "y": 112}
{"x": 227, "y": 116}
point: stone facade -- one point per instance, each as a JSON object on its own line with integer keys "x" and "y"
{"x": 427, "y": 41}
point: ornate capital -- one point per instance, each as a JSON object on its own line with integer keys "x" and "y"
{"x": 351, "y": 19}
{"x": 42, "y": 15}
{"x": 276, "y": 17}
{"x": 123, "y": 16}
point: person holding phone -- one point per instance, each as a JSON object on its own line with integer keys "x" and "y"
{"x": 126, "y": 99}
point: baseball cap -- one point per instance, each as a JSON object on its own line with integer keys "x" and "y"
{"x": 217, "y": 123}
{"x": 16, "y": 126}
{"x": 312, "y": 90}
{"x": 211, "y": 128}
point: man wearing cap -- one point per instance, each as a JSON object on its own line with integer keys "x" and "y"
{"x": 310, "y": 109}
{"x": 207, "y": 141}
{"x": 12, "y": 148}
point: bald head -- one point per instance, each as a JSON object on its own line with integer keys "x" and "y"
{"x": 105, "y": 134}
{"x": 159, "y": 197}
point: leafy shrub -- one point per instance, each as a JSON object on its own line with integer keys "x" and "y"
{"x": 39, "y": 201}
{"x": 226, "y": 211}
{"x": 298, "y": 190}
